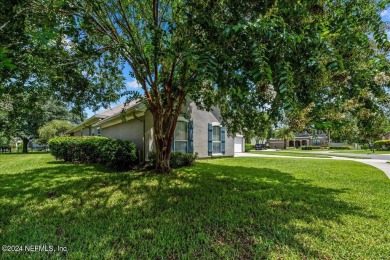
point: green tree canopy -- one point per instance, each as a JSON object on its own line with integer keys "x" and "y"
{"x": 257, "y": 60}
{"x": 285, "y": 133}
{"x": 52, "y": 129}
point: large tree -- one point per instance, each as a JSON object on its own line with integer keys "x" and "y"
{"x": 256, "y": 60}
{"x": 42, "y": 75}
{"x": 28, "y": 114}
{"x": 52, "y": 129}
{"x": 250, "y": 58}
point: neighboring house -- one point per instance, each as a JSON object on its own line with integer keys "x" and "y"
{"x": 386, "y": 136}
{"x": 303, "y": 139}
{"x": 200, "y": 133}
{"x": 258, "y": 140}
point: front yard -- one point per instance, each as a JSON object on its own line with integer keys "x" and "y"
{"x": 222, "y": 208}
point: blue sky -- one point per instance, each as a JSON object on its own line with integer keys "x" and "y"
{"x": 132, "y": 84}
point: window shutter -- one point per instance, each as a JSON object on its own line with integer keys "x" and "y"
{"x": 190, "y": 148}
{"x": 223, "y": 131}
{"x": 210, "y": 143}
{"x": 173, "y": 142}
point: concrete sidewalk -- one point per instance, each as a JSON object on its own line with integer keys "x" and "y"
{"x": 379, "y": 164}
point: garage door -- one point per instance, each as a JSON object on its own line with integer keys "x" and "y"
{"x": 238, "y": 145}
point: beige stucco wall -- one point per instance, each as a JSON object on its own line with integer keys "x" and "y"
{"x": 278, "y": 144}
{"x": 87, "y": 132}
{"x": 201, "y": 119}
{"x": 78, "y": 133}
{"x": 130, "y": 130}
{"x": 138, "y": 130}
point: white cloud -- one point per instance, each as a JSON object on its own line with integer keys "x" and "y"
{"x": 133, "y": 84}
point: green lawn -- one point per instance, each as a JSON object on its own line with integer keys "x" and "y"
{"x": 223, "y": 208}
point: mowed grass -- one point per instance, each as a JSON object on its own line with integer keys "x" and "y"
{"x": 223, "y": 208}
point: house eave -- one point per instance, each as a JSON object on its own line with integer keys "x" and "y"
{"x": 119, "y": 118}
{"x": 87, "y": 123}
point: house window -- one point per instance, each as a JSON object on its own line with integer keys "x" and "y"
{"x": 98, "y": 131}
{"x": 181, "y": 137}
{"x": 217, "y": 139}
{"x": 316, "y": 142}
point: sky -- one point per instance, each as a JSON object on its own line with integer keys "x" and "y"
{"x": 132, "y": 84}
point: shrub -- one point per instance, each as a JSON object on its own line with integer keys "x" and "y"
{"x": 249, "y": 147}
{"x": 315, "y": 147}
{"x": 382, "y": 145}
{"x": 118, "y": 154}
{"x": 113, "y": 153}
{"x": 177, "y": 159}
{"x": 340, "y": 148}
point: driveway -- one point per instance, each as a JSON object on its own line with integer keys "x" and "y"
{"x": 379, "y": 162}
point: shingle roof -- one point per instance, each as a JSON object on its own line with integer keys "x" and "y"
{"x": 110, "y": 112}
{"x": 117, "y": 109}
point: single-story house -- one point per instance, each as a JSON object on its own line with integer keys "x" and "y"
{"x": 302, "y": 139}
{"x": 201, "y": 132}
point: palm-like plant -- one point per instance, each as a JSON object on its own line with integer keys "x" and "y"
{"x": 285, "y": 133}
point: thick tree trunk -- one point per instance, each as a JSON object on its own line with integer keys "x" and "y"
{"x": 285, "y": 143}
{"x": 25, "y": 143}
{"x": 163, "y": 136}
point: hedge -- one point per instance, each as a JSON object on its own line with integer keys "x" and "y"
{"x": 113, "y": 153}
{"x": 382, "y": 145}
{"x": 315, "y": 147}
{"x": 340, "y": 148}
{"x": 177, "y": 159}
{"x": 249, "y": 147}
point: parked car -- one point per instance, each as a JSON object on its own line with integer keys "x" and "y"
{"x": 260, "y": 147}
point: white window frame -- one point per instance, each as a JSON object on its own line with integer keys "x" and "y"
{"x": 213, "y": 124}
{"x": 181, "y": 119}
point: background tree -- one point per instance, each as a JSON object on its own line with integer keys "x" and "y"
{"x": 52, "y": 129}
{"x": 285, "y": 133}
{"x": 40, "y": 67}
{"x": 28, "y": 114}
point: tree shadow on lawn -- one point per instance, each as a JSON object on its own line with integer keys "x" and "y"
{"x": 204, "y": 211}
